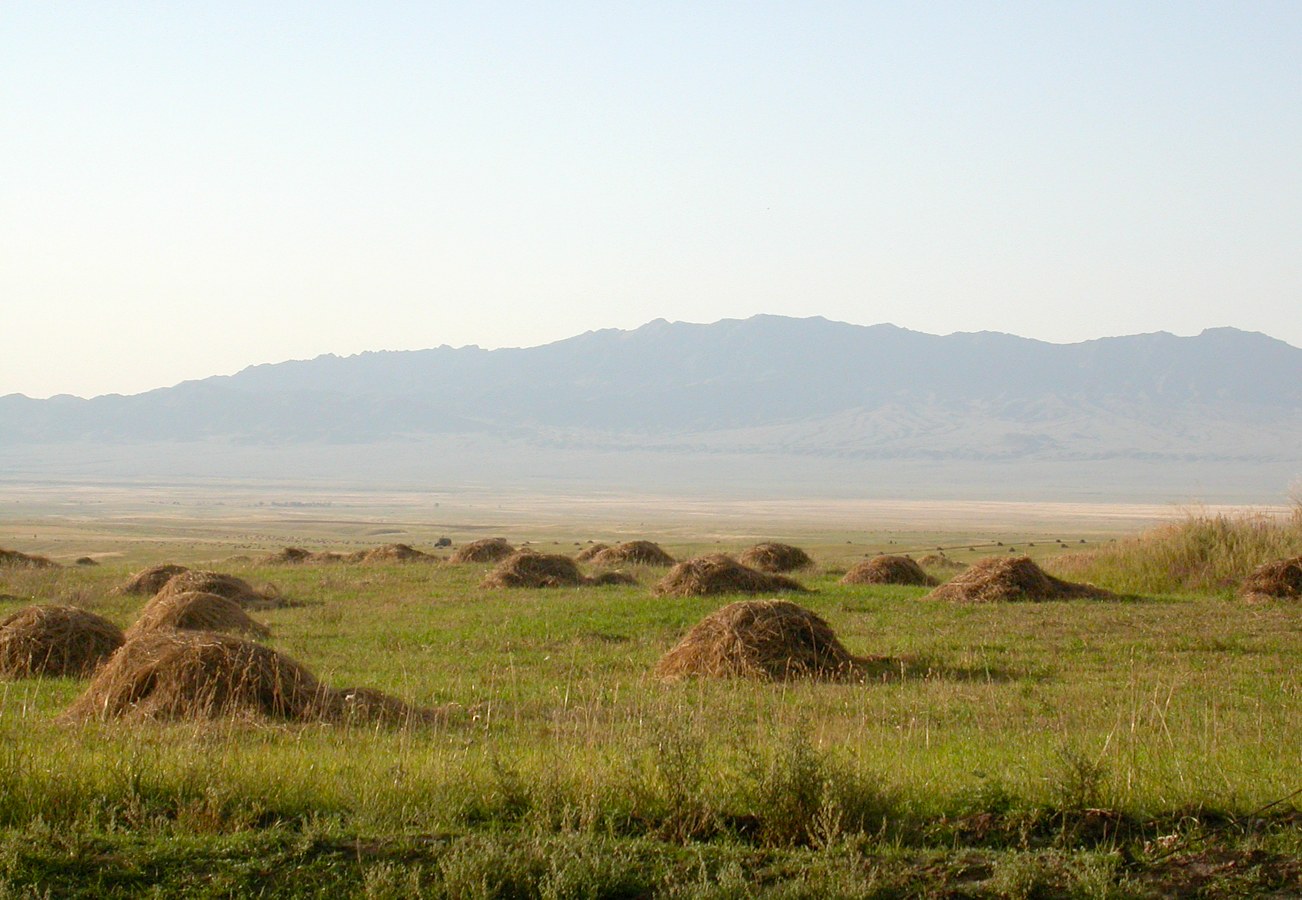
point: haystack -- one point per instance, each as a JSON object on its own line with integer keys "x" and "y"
{"x": 86, "y": 561}
{"x": 151, "y": 580}
{"x": 998, "y": 578}
{"x": 526, "y": 569}
{"x": 228, "y": 586}
{"x": 773, "y": 557}
{"x": 590, "y": 551}
{"x": 397, "y": 553}
{"x": 767, "y": 639}
{"x": 55, "y": 641}
{"x": 1279, "y": 580}
{"x": 196, "y": 611}
{"x": 485, "y": 550}
{"x": 20, "y": 560}
{"x": 634, "y": 553}
{"x": 940, "y": 561}
{"x": 170, "y": 674}
{"x": 720, "y": 574}
{"x": 888, "y": 570}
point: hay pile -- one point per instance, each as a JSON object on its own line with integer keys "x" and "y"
{"x": 1279, "y": 580}
{"x": 526, "y": 569}
{"x": 888, "y": 570}
{"x": 86, "y": 561}
{"x": 151, "y": 580}
{"x": 482, "y": 551}
{"x": 766, "y": 639}
{"x": 590, "y": 551}
{"x": 397, "y": 553}
{"x": 54, "y": 641}
{"x": 171, "y": 674}
{"x": 196, "y": 611}
{"x": 25, "y": 560}
{"x": 635, "y": 553}
{"x": 999, "y": 578}
{"x": 719, "y": 574}
{"x": 228, "y": 586}
{"x": 773, "y": 557}
{"x": 941, "y": 561}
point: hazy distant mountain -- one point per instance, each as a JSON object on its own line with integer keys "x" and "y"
{"x": 799, "y": 388}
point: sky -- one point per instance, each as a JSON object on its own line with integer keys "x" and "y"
{"x": 189, "y": 189}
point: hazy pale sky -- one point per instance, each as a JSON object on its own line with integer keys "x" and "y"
{"x": 192, "y": 188}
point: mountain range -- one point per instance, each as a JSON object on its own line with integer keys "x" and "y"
{"x": 768, "y": 386}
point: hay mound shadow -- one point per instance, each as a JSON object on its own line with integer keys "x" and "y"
{"x": 996, "y": 579}
{"x": 526, "y": 569}
{"x": 720, "y": 574}
{"x": 151, "y": 580}
{"x": 55, "y": 641}
{"x": 172, "y": 674}
{"x": 196, "y": 611}
{"x": 774, "y": 557}
{"x": 774, "y": 640}
{"x": 634, "y": 553}
{"x": 485, "y": 550}
{"x": 228, "y": 586}
{"x": 1279, "y": 580}
{"x": 19, "y": 560}
{"x": 888, "y": 570}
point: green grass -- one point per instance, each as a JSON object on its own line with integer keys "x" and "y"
{"x": 1073, "y": 748}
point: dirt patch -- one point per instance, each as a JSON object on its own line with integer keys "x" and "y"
{"x": 774, "y": 557}
{"x": 996, "y": 579}
{"x": 888, "y": 570}
{"x": 1279, "y": 580}
{"x": 202, "y": 675}
{"x": 20, "y": 560}
{"x": 633, "y": 553}
{"x": 767, "y": 639}
{"x": 151, "y": 580}
{"x": 55, "y": 641}
{"x": 720, "y": 574}
{"x": 196, "y": 611}
{"x": 526, "y": 569}
{"x": 484, "y": 550}
{"x": 228, "y": 586}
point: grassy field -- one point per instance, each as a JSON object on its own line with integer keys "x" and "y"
{"x": 1141, "y": 747}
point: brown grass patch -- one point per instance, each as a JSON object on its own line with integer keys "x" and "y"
{"x": 997, "y": 578}
{"x": 196, "y": 611}
{"x": 720, "y": 574}
{"x": 633, "y": 553}
{"x": 172, "y": 674}
{"x": 151, "y": 580}
{"x": 228, "y": 586}
{"x": 21, "y": 560}
{"x": 55, "y": 641}
{"x": 1279, "y": 580}
{"x": 526, "y": 569}
{"x": 767, "y": 639}
{"x": 888, "y": 570}
{"x": 774, "y": 557}
{"x": 485, "y": 550}
{"x": 590, "y": 551}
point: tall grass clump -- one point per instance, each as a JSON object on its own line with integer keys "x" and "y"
{"x": 1199, "y": 554}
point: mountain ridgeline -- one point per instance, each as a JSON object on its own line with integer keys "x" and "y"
{"x": 767, "y": 384}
